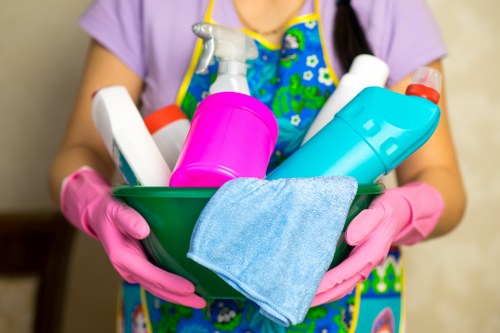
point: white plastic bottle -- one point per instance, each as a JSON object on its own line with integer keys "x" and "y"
{"x": 232, "y": 48}
{"x": 127, "y": 139}
{"x": 366, "y": 70}
{"x": 169, "y": 127}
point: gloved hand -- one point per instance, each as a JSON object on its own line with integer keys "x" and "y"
{"x": 401, "y": 216}
{"x": 87, "y": 203}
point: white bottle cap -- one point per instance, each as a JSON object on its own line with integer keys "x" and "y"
{"x": 373, "y": 70}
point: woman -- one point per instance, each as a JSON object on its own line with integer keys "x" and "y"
{"x": 148, "y": 47}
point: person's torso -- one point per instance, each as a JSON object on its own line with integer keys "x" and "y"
{"x": 294, "y": 79}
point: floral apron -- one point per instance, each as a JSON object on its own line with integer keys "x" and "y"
{"x": 294, "y": 80}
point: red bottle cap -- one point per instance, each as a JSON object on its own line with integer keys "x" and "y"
{"x": 162, "y": 117}
{"x": 423, "y": 91}
{"x": 426, "y": 83}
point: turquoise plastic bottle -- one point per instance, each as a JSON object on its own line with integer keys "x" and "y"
{"x": 371, "y": 135}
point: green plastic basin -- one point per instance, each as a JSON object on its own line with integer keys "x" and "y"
{"x": 172, "y": 214}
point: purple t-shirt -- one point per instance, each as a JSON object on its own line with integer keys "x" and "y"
{"x": 155, "y": 40}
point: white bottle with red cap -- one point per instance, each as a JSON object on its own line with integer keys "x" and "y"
{"x": 169, "y": 127}
{"x": 366, "y": 71}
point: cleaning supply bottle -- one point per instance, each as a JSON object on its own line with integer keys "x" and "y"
{"x": 232, "y": 134}
{"x": 127, "y": 139}
{"x": 232, "y": 48}
{"x": 169, "y": 127}
{"x": 366, "y": 71}
{"x": 372, "y": 134}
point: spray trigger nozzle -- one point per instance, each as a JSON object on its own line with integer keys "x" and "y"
{"x": 228, "y": 45}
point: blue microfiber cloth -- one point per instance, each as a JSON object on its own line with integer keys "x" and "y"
{"x": 273, "y": 240}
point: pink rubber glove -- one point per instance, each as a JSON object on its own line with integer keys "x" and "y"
{"x": 87, "y": 203}
{"x": 400, "y": 216}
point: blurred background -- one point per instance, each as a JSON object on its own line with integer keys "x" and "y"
{"x": 452, "y": 283}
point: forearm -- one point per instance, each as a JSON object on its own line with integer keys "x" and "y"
{"x": 436, "y": 164}
{"x": 82, "y": 144}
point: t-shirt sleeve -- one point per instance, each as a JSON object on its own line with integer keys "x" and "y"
{"x": 117, "y": 25}
{"x": 406, "y": 36}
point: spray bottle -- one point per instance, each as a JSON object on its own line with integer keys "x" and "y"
{"x": 232, "y": 49}
{"x": 366, "y": 71}
{"x": 232, "y": 134}
{"x": 372, "y": 134}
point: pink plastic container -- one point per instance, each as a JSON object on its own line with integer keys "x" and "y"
{"x": 232, "y": 135}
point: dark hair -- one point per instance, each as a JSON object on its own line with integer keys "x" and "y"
{"x": 349, "y": 39}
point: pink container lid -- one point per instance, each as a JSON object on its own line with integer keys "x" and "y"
{"x": 232, "y": 135}
{"x": 244, "y": 101}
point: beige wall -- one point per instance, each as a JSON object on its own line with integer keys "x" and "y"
{"x": 453, "y": 282}
{"x": 41, "y": 54}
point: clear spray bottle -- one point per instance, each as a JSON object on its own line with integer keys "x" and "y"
{"x": 232, "y": 48}
{"x": 232, "y": 134}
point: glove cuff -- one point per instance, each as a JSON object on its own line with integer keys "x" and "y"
{"x": 427, "y": 206}
{"x": 79, "y": 191}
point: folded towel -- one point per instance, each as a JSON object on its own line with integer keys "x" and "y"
{"x": 274, "y": 240}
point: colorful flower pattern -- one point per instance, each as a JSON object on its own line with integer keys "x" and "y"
{"x": 242, "y": 316}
